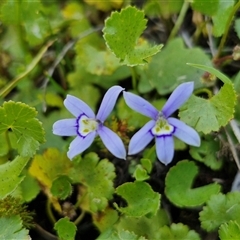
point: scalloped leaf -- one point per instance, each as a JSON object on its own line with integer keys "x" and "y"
{"x": 140, "y": 197}
{"x": 66, "y": 230}
{"x": 207, "y": 115}
{"x": 179, "y": 181}
{"x": 121, "y": 33}
{"x": 20, "y": 119}
{"x": 178, "y": 232}
{"x": 220, "y": 209}
{"x": 12, "y": 228}
{"x": 161, "y": 74}
{"x": 10, "y": 175}
{"x": 97, "y": 177}
{"x": 206, "y": 153}
{"x": 229, "y": 231}
{"x": 145, "y": 226}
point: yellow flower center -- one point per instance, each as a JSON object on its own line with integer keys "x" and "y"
{"x": 162, "y": 127}
{"x": 86, "y": 125}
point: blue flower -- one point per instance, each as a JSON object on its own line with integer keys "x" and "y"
{"x": 162, "y": 127}
{"x": 86, "y": 126}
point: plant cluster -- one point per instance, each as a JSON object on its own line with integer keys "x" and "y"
{"x": 159, "y": 157}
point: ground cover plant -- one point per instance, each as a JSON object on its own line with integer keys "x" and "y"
{"x": 119, "y": 119}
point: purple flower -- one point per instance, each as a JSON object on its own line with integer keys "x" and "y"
{"x": 162, "y": 127}
{"x": 86, "y": 126}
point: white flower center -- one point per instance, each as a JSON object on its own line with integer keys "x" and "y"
{"x": 86, "y": 125}
{"x": 162, "y": 127}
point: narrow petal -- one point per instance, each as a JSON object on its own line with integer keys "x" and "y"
{"x": 112, "y": 142}
{"x": 65, "y": 127}
{"x": 140, "y": 105}
{"x": 141, "y": 138}
{"x": 184, "y": 132}
{"x": 165, "y": 149}
{"x": 179, "y": 96}
{"x": 108, "y": 102}
{"x": 79, "y": 144}
{"x": 77, "y": 107}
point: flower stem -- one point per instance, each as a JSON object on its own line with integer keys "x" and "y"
{"x": 179, "y": 21}
{"x": 80, "y": 217}
{"x": 50, "y": 213}
{"x": 224, "y": 37}
{"x": 134, "y": 78}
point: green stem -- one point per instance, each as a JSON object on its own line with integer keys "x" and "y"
{"x": 134, "y": 78}
{"x": 204, "y": 90}
{"x": 179, "y": 21}
{"x": 224, "y": 37}
{"x": 150, "y": 152}
{"x": 50, "y": 213}
{"x": 80, "y": 200}
{"x": 80, "y": 218}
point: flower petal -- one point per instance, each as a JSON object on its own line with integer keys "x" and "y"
{"x": 141, "y": 138}
{"x": 108, "y": 102}
{"x": 65, "y": 127}
{"x": 184, "y": 132}
{"x": 79, "y": 144}
{"x": 178, "y": 97}
{"x": 165, "y": 149}
{"x": 77, "y": 107}
{"x": 140, "y": 105}
{"x": 112, "y": 142}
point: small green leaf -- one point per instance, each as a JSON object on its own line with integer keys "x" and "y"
{"x": 178, "y": 232}
{"x": 61, "y": 187}
{"x": 20, "y": 119}
{"x": 11, "y": 228}
{"x": 237, "y": 27}
{"x": 66, "y": 229}
{"x": 207, "y": 115}
{"x": 179, "y": 181}
{"x": 141, "y": 199}
{"x": 121, "y": 33}
{"x": 10, "y": 175}
{"x": 206, "y": 153}
{"x": 97, "y": 176}
{"x": 220, "y": 209}
{"x": 145, "y": 226}
{"x": 147, "y": 164}
{"x": 229, "y": 231}
{"x": 140, "y": 173}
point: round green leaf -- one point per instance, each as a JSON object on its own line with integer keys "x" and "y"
{"x": 121, "y": 33}
{"x": 66, "y": 229}
{"x": 20, "y": 119}
{"x": 179, "y": 181}
{"x": 141, "y": 199}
